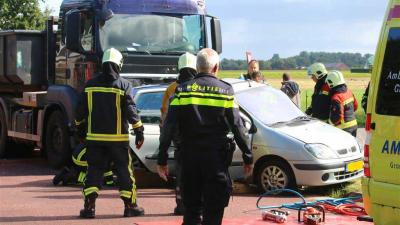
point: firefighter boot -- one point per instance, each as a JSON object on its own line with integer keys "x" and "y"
{"x": 132, "y": 209}
{"x": 60, "y": 176}
{"x": 90, "y": 206}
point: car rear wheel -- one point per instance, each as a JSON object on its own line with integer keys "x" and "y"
{"x": 273, "y": 174}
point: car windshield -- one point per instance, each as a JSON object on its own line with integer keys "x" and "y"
{"x": 153, "y": 34}
{"x": 149, "y": 101}
{"x": 268, "y": 105}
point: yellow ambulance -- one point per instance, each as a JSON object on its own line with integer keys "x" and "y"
{"x": 381, "y": 181}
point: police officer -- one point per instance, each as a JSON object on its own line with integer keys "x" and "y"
{"x": 343, "y": 103}
{"x": 320, "y": 99}
{"x": 104, "y": 113}
{"x": 204, "y": 110}
{"x": 187, "y": 71}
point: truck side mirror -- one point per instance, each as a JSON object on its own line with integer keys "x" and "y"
{"x": 216, "y": 35}
{"x": 72, "y": 31}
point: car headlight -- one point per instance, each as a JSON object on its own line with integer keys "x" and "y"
{"x": 320, "y": 151}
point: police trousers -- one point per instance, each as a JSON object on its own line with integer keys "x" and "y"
{"x": 206, "y": 181}
{"x": 98, "y": 157}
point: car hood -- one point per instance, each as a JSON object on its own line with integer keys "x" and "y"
{"x": 318, "y": 132}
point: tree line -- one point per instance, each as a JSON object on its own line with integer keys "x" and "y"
{"x": 301, "y": 61}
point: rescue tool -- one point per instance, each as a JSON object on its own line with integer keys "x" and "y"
{"x": 313, "y": 214}
{"x": 276, "y": 215}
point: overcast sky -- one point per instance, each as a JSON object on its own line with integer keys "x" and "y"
{"x": 287, "y": 27}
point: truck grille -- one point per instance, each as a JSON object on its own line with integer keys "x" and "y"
{"x": 341, "y": 175}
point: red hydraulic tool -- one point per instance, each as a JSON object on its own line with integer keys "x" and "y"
{"x": 313, "y": 214}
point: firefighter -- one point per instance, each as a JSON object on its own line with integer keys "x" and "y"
{"x": 204, "y": 110}
{"x": 187, "y": 71}
{"x": 102, "y": 116}
{"x": 320, "y": 103}
{"x": 76, "y": 174}
{"x": 343, "y": 103}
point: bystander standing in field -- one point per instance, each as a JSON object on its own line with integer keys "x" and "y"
{"x": 252, "y": 67}
{"x": 257, "y": 77}
{"x": 291, "y": 89}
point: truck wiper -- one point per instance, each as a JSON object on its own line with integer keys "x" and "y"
{"x": 169, "y": 52}
{"x": 136, "y": 52}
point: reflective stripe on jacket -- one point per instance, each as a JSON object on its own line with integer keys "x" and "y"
{"x": 106, "y": 109}
{"x": 204, "y": 110}
{"x": 343, "y": 108}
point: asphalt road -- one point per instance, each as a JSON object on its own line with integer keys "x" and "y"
{"x": 27, "y": 196}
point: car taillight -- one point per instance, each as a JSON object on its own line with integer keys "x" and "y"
{"x": 367, "y": 171}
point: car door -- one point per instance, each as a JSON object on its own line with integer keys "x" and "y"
{"x": 148, "y": 103}
{"x": 236, "y": 168}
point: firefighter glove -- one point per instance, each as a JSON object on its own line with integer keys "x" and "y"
{"x": 139, "y": 137}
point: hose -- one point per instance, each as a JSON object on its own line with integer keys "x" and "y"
{"x": 294, "y": 206}
{"x": 345, "y": 206}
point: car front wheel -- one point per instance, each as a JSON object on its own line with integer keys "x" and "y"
{"x": 274, "y": 175}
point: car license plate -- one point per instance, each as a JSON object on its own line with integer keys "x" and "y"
{"x": 353, "y": 166}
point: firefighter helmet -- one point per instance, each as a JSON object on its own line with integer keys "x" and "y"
{"x": 187, "y": 60}
{"x": 114, "y": 56}
{"x": 317, "y": 69}
{"x": 335, "y": 78}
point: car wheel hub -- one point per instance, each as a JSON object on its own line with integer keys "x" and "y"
{"x": 273, "y": 177}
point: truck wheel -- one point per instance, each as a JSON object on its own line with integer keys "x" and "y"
{"x": 3, "y": 133}
{"x": 57, "y": 140}
{"x": 274, "y": 174}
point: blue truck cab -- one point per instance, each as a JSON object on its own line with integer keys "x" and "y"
{"x": 151, "y": 34}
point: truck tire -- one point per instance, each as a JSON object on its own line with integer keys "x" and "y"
{"x": 3, "y": 133}
{"x": 57, "y": 140}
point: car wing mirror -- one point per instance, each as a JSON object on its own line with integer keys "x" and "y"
{"x": 253, "y": 129}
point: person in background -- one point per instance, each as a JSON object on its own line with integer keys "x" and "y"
{"x": 291, "y": 89}
{"x": 252, "y": 66}
{"x": 343, "y": 103}
{"x": 257, "y": 77}
{"x": 187, "y": 71}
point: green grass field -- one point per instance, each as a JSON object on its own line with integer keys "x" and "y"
{"x": 277, "y": 74}
{"x": 356, "y": 81}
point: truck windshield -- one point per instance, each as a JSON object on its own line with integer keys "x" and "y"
{"x": 268, "y": 105}
{"x": 153, "y": 34}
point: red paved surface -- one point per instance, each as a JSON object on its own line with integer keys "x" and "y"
{"x": 28, "y": 197}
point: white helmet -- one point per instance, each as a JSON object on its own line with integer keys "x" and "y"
{"x": 187, "y": 60}
{"x": 335, "y": 78}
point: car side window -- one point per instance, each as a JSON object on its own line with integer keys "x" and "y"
{"x": 149, "y": 104}
{"x": 388, "y": 100}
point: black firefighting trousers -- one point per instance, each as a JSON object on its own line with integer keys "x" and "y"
{"x": 98, "y": 157}
{"x": 206, "y": 182}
